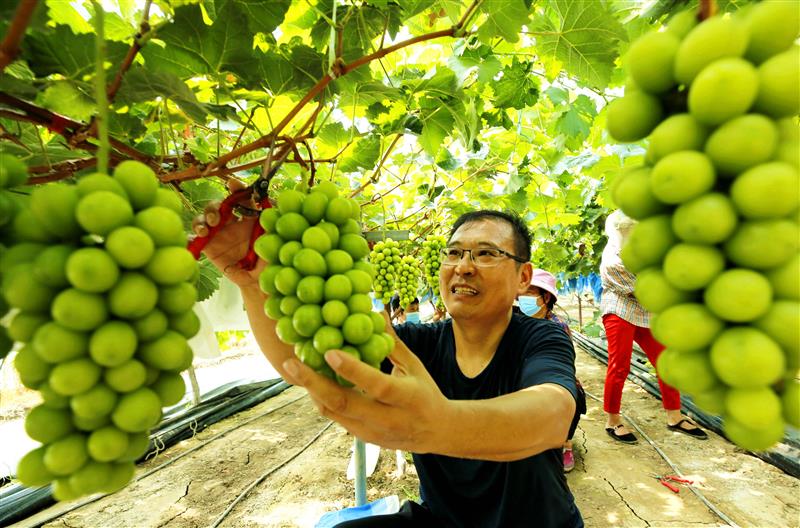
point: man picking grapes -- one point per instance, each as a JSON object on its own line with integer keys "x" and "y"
{"x": 482, "y": 400}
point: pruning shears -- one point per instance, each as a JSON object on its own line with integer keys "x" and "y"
{"x": 258, "y": 193}
{"x": 668, "y": 480}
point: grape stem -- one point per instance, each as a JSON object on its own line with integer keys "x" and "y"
{"x": 101, "y": 119}
{"x": 707, "y": 9}
{"x": 9, "y": 48}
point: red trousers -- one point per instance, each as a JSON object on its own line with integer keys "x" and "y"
{"x": 621, "y": 334}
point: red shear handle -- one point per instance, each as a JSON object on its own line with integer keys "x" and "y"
{"x": 671, "y": 487}
{"x": 197, "y": 244}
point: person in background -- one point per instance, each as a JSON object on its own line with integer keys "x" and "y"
{"x": 412, "y": 312}
{"x": 538, "y": 301}
{"x": 396, "y": 313}
{"x": 483, "y": 400}
{"x": 626, "y": 321}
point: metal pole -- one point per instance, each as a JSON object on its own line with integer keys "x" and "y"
{"x": 360, "y": 454}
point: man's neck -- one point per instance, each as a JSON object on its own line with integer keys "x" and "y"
{"x": 477, "y": 341}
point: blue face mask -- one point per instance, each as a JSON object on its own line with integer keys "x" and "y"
{"x": 529, "y": 304}
{"x": 413, "y": 317}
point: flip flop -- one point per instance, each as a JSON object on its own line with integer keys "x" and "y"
{"x": 627, "y": 438}
{"x": 694, "y": 433}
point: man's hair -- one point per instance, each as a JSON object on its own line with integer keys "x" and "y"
{"x": 522, "y": 236}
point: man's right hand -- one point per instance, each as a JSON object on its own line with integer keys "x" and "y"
{"x": 229, "y": 245}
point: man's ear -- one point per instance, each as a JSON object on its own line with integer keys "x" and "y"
{"x": 526, "y": 272}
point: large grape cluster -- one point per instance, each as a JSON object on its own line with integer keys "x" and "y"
{"x": 385, "y": 257}
{"x": 408, "y": 276}
{"x": 13, "y": 172}
{"x": 715, "y": 248}
{"x": 431, "y": 252}
{"x": 318, "y": 280}
{"x": 103, "y": 289}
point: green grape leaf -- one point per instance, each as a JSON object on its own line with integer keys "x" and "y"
{"x": 60, "y": 51}
{"x": 141, "y": 84}
{"x": 505, "y": 19}
{"x": 208, "y": 279}
{"x": 64, "y": 98}
{"x": 437, "y": 123}
{"x": 584, "y": 36}
{"x": 190, "y": 46}
{"x": 364, "y": 156}
{"x": 518, "y": 88}
{"x": 261, "y": 16}
{"x": 480, "y": 63}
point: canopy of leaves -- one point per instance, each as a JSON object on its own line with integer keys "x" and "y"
{"x": 420, "y": 109}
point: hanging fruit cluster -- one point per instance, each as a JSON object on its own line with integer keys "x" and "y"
{"x": 385, "y": 258}
{"x": 431, "y": 263}
{"x": 103, "y": 289}
{"x": 715, "y": 248}
{"x": 318, "y": 279}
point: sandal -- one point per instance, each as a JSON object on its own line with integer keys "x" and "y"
{"x": 627, "y": 438}
{"x": 696, "y": 432}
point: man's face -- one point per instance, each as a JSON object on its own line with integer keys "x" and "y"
{"x": 472, "y": 292}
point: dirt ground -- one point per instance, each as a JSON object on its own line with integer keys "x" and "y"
{"x": 291, "y": 479}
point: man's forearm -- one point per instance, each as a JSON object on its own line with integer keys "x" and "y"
{"x": 264, "y": 329}
{"x": 509, "y": 427}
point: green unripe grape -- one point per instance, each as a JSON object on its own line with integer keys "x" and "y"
{"x": 688, "y": 326}
{"x": 314, "y": 207}
{"x": 355, "y": 245}
{"x": 338, "y": 211}
{"x": 126, "y": 377}
{"x": 51, "y": 265}
{"x": 763, "y": 244}
{"x": 713, "y": 39}
{"x": 54, "y": 206}
{"x": 687, "y": 371}
{"x": 753, "y": 408}
{"x": 96, "y": 402}
{"x": 361, "y": 280}
{"x": 309, "y": 262}
{"x": 150, "y": 326}
{"x": 51, "y": 398}
{"x": 334, "y": 313}
{"x": 310, "y": 290}
{"x": 23, "y": 291}
{"x": 268, "y": 218}
{"x": 791, "y": 403}
{"x": 350, "y": 227}
{"x": 676, "y": 133}
{"x": 92, "y": 270}
{"x": 171, "y": 265}
{"x": 168, "y": 198}
{"x": 681, "y": 176}
{"x": 169, "y": 387}
{"x": 337, "y": 287}
{"x": 739, "y": 295}
{"x": 291, "y": 226}
{"x": 290, "y": 201}
{"x": 753, "y": 439}
{"x": 91, "y": 478}
{"x": 31, "y": 471}
{"x": 32, "y": 369}
{"x": 186, "y": 324}
{"x": 707, "y": 219}
{"x": 266, "y": 280}
{"x": 632, "y": 117}
{"x": 165, "y": 353}
{"x": 107, "y": 443}
{"x": 769, "y": 190}
{"x": 66, "y": 455}
{"x": 21, "y": 253}
{"x": 744, "y": 357}
{"x": 101, "y": 212}
{"x": 286, "y": 280}
{"x": 13, "y": 171}
{"x": 338, "y": 261}
{"x": 326, "y": 187}
{"x": 333, "y": 232}
{"x": 55, "y": 343}
{"x": 177, "y": 299}
{"x": 711, "y": 401}
{"x": 782, "y": 324}
{"x": 307, "y": 319}
{"x": 682, "y": 23}
{"x": 306, "y": 352}
{"x": 99, "y": 182}
{"x": 137, "y": 411}
{"x": 90, "y": 424}
{"x": 27, "y": 228}
{"x": 375, "y": 349}
{"x": 121, "y": 474}
{"x": 47, "y": 425}
{"x": 651, "y": 60}
{"x": 779, "y": 85}
{"x": 285, "y": 331}
{"x": 712, "y": 102}
{"x": 359, "y": 303}
{"x": 785, "y": 279}
{"x": 134, "y": 296}
{"x": 357, "y": 328}
{"x": 692, "y": 266}
{"x": 317, "y": 239}
{"x": 327, "y": 338}
{"x": 163, "y": 225}
{"x": 288, "y": 251}
{"x": 268, "y": 247}
{"x": 773, "y": 27}
{"x": 74, "y": 376}
{"x": 650, "y": 239}
{"x": 139, "y": 182}
{"x": 113, "y": 344}
{"x": 741, "y": 143}
{"x": 138, "y": 444}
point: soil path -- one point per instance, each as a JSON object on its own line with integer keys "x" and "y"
{"x": 611, "y": 481}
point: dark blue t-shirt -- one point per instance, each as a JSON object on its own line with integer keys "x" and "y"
{"x": 483, "y": 494}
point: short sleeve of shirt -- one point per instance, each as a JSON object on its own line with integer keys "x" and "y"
{"x": 548, "y": 355}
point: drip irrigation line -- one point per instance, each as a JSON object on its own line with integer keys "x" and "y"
{"x": 263, "y": 477}
{"x": 674, "y": 468}
{"x": 90, "y": 500}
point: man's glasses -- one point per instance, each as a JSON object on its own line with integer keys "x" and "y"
{"x": 481, "y": 257}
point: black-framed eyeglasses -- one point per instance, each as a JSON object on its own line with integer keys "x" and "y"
{"x": 481, "y": 257}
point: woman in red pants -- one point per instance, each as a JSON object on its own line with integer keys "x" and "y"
{"x": 626, "y": 321}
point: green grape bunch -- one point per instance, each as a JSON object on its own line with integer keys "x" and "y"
{"x": 102, "y": 289}
{"x": 716, "y": 249}
{"x": 408, "y": 279}
{"x": 318, "y": 280}
{"x": 431, "y": 252}
{"x": 13, "y": 172}
{"x": 385, "y": 257}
